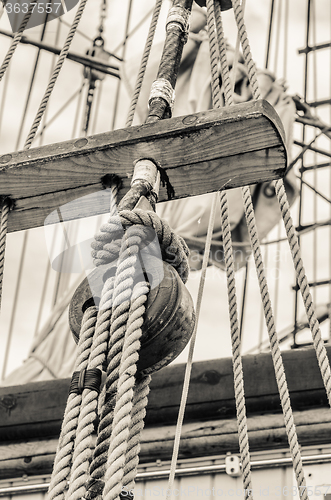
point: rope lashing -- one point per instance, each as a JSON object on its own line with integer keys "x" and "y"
{"x": 173, "y": 247}
{"x": 213, "y": 11}
{"x": 267, "y": 308}
{"x": 162, "y": 89}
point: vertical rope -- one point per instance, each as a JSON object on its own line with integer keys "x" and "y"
{"x": 143, "y": 64}
{"x": 228, "y": 252}
{"x": 63, "y": 458}
{"x": 3, "y": 233}
{"x": 252, "y": 229}
{"x": 6, "y": 202}
{"x": 125, "y": 395}
{"x": 56, "y": 72}
{"x": 188, "y": 368}
{"x": 319, "y": 346}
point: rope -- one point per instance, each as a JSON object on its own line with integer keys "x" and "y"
{"x": 173, "y": 247}
{"x": 267, "y": 308}
{"x": 6, "y": 203}
{"x": 143, "y": 64}
{"x": 15, "y": 42}
{"x": 63, "y": 458}
{"x": 227, "y": 245}
{"x": 3, "y": 232}
{"x": 188, "y": 367}
{"x": 84, "y": 445}
{"x": 56, "y": 72}
{"x": 274, "y": 344}
{"x": 121, "y": 425}
{"x": 321, "y": 353}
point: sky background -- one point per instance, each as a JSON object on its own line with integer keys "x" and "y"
{"x": 213, "y": 332}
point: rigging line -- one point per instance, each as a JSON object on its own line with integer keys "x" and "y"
{"x": 143, "y": 64}
{"x": 243, "y": 302}
{"x": 330, "y": 186}
{"x": 44, "y": 287}
{"x": 236, "y": 56}
{"x": 6, "y": 204}
{"x": 140, "y": 23}
{"x": 314, "y": 57}
{"x": 124, "y": 47}
{"x": 276, "y": 290}
{"x": 55, "y": 75}
{"x": 261, "y": 330}
{"x": 89, "y": 61}
{"x": 4, "y": 94}
{"x": 44, "y": 118}
{"x": 188, "y": 367}
{"x": 15, "y": 301}
{"x": 315, "y": 190}
{"x": 271, "y": 19}
{"x": 57, "y": 114}
{"x": 34, "y": 72}
{"x": 97, "y": 107}
{"x": 279, "y": 21}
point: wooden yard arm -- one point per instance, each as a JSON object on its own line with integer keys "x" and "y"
{"x": 200, "y": 153}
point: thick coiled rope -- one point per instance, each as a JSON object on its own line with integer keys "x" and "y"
{"x": 6, "y": 203}
{"x": 55, "y": 74}
{"x": 218, "y": 52}
{"x": 173, "y": 247}
{"x": 5, "y": 207}
{"x": 63, "y": 459}
{"x": 302, "y": 280}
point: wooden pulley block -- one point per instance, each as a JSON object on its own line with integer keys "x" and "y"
{"x": 225, "y": 4}
{"x": 169, "y": 318}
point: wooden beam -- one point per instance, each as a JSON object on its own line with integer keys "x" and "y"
{"x": 36, "y": 409}
{"x": 199, "y": 439}
{"x": 200, "y": 153}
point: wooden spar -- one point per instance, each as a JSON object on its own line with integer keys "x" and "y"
{"x": 35, "y": 410}
{"x": 199, "y": 439}
{"x": 200, "y": 153}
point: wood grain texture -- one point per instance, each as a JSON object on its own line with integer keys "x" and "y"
{"x": 200, "y": 153}
{"x": 198, "y": 439}
{"x": 36, "y": 410}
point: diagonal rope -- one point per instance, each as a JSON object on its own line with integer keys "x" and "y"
{"x": 321, "y": 352}
{"x": 63, "y": 458}
{"x": 6, "y": 204}
{"x": 227, "y": 245}
{"x": 188, "y": 368}
{"x": 267, "y": 308}
{"x": 125, "y": 395}
{"x": 143, "y": 64}
{"x": 56, "y": 72}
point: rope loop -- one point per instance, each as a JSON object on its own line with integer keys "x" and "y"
{"x": 174, "y": 251}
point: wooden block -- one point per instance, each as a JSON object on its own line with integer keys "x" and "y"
{"x": 200, "y": 153}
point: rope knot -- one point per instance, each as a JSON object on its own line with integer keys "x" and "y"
{"x": 154, "y": 237}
